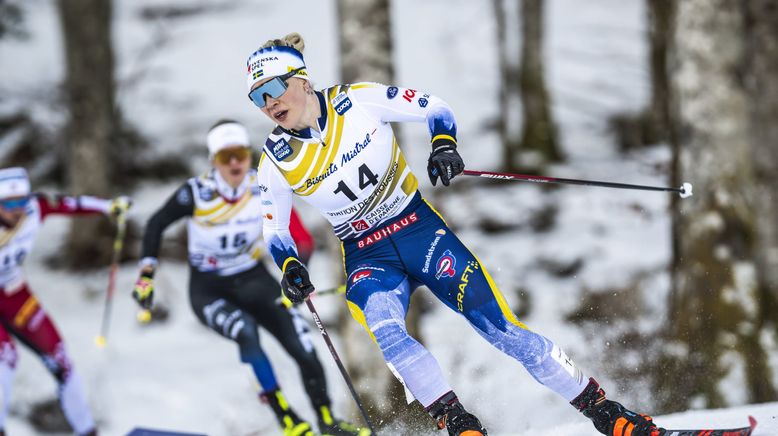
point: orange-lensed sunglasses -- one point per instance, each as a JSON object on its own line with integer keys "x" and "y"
{"x": 225, "y": 156}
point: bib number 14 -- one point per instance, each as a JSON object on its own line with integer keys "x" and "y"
{"x": 366, "y": 178}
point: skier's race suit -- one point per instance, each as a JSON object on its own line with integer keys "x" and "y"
{"x": 230, "y": 290}
{"x": 353, "y": 171}
{"x": 21, "y": 313}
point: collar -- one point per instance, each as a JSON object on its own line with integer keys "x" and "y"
{"x": 227, "y": 192}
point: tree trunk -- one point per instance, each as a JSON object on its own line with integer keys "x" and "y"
{"x": 365, "y": 41}
{"x": 762, "y": 34}
{"x": 366, "y": 55}
{"x": 539, "y": 136}
{"x": 660, "y": 27}
{"x": 652, "y": 124}
{"x": 714, "y": 323}
{"x": 89, "y": 91}
{"x": 507, "y": 126}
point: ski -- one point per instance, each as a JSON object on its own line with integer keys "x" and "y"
{"x": 152, "y": 432}
{"x": 742, "y": 431}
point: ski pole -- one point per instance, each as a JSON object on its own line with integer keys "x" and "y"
{"x": 118, "y": 243}
{"x": 283, "y": 302}
{"x": 333, "y": 291}
{"x": 684, "y": 191}
{"x": 342, "y": 369}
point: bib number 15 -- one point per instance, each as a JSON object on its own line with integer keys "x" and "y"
{"x": 366, "y": 178}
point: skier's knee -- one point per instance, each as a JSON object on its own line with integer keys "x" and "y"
{"x": 247, "y": 338}
{"x": 384, "y": 318}
{"x": 388, "y": 332}
{"x": 535, "y": 349}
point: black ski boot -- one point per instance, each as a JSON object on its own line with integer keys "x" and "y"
{"x": 451, "y": 415}
{"x": 331, "y": 426}
{"x": 611, "y": 418}
{"x": 291, "y": 424}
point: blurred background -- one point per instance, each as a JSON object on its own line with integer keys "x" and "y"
{"x": 672, "y": 304}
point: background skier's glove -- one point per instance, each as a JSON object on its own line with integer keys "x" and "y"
{"x": 143, "y": 292}
{"x": 120, "y": 205}
{"x": 444, "y": 161}
{"x": 296, "y": 284}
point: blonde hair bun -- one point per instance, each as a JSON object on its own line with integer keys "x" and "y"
{"x": 294, "y": 40}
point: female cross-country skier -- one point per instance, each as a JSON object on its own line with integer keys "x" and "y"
{"x": 335, "y": 149}
{"x": 230, "y": 290}
{"x": 22, "y": 316}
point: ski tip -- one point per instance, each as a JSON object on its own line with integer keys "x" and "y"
{"x": 752, "y": 422}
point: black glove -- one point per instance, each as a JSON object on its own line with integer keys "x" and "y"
{"x": 444, "y": 162}
{"x": 296, "y": 284}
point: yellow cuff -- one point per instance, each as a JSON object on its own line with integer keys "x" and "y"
{"x": 289, "y": 259}
{"x": 449, "y": 137}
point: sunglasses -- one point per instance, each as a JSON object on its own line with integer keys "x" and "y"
{"x": 225, "y": 156}
{"x": 14, "y": 203}
{"x": 275, "y": 87}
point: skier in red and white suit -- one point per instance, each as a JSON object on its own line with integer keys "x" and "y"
{"x": 21, "y": 314}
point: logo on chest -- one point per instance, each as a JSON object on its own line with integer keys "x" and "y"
{"x": 360, "y": 225}
{"x": 341, "y": 103}
{"x": 358, "y": 147}
{"x": 281, "y": 149}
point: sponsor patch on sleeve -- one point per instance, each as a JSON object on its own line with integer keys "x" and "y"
{"x": 391, "y": 92}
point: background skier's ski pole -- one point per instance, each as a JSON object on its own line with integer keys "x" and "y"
{"x": 283, "y": 302}
{"x": 684, "y": 191}
{"x": 342, "y": 369}
{"x": 118, "y": 243}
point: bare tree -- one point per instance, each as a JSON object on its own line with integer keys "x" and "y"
{"x": 508, "y": 91}
{"x": 89, "y": 92}
{"x": 714, "y": 322}
{"x": 762, "y": 31}
{"x": 365, "y": 41}
{"x": 366, "y": 55}
{"x": 534, "y": 144}
{"x": 652, "y": 124}
{"x": 661, "y": 15}
{"x": 539, "y": 133}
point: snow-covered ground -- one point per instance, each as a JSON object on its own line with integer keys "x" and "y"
{"x": 181, "y": 376}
